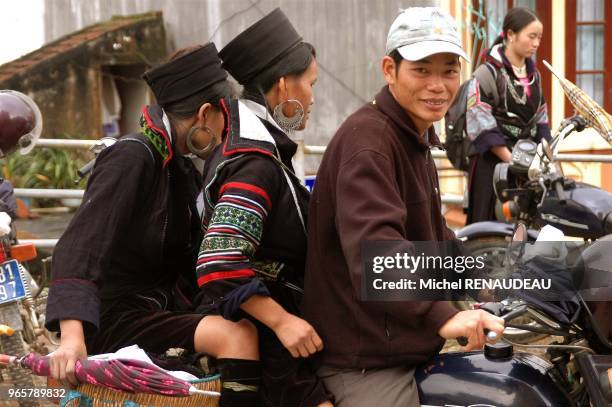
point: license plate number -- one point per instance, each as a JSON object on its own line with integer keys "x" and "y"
{"x": 11, "y": 284}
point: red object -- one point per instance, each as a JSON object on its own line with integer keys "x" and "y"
{"x": 23, "y": 252}
{"x": 123, "y": 375}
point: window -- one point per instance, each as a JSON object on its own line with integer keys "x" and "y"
{"x": 589, "y": 43}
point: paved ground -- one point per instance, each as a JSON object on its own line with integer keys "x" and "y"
{"x": 46, "y": 226}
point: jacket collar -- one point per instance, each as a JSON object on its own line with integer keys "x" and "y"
{"x": 387, "y": 104}
{"x": 496, "y": 56}
{"x": 259, "y": 111}
{"x": 153, "y": 125}
{"x": 252, "y": 130}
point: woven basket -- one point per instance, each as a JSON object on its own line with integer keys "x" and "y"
{"x": 87, "y": 395}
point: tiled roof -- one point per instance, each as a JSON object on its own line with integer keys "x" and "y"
{"x": 72, "y": 41}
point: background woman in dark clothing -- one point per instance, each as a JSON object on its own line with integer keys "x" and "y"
{"x": 252, "y": 258}
{"x": 134, "y": 240}
{"x": 521, "y": 111}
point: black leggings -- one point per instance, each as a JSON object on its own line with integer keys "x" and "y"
{"x": 146, "y": 320}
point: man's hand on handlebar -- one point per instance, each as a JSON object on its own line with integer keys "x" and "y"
{"x": 473, "y": 325}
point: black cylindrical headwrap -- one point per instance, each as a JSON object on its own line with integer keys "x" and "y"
{"x": 185, "y": 76}
{"x": 259, "y": 46}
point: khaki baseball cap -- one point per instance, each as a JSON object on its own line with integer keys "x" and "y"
{"x": 419, "y": 32}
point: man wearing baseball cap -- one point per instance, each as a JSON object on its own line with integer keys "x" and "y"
{"x": 378, "y": 182}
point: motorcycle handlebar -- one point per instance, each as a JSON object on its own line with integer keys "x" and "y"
{"x": 579, "y": 123}
{"x": 496, "y": 310}
{"x": 86, "y": 169}
{"x": 97, "y": 148}
{"x": 463, "y": 341}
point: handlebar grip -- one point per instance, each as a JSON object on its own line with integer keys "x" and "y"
{"x": 463, "y": 341}
{"x": 579, "y": 123}
{"x": 86, "y": 169}
{"x": 491, "y": 335}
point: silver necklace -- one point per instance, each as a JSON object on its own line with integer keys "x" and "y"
{"x": 519, "y": 71}
{"x": 521, "y": 100}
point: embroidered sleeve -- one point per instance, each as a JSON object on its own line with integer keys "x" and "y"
{"x": 232, "y": 236}
{"x": 481, "y": 125}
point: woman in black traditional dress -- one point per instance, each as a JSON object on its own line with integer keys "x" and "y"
{"x": 252, "y": 258}
{"x": 123, "y": 271}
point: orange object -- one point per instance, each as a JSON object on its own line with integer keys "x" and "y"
{"x": 23, "y": 211}
{"x": 23, "y": 252}
{"x": 6, "y": 330}
{"x": 507, "y": 211}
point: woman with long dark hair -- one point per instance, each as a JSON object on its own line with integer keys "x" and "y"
{"x": 252, "y": 258}
{"x": 494, "y": 124}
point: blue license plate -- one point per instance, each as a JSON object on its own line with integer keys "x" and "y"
{"x": 11, "y": 285}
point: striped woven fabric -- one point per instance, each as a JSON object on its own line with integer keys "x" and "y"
{"x": 87, "y": 395}
{"x": 595, "y": 116}
{"x": 233, "y": 233}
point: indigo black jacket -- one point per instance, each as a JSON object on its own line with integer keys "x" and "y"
{"x": 137, "y": 229}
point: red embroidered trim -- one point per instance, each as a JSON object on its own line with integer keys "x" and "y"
{"x": 73, "y": 280}
{"x": 247, "y": 187}
{"x": 227, "y": 116}
{"x": 227, "y": 152}
{"x": 221, "y": 275}
{"x": 247, "y": 150}
{"x": 163, "y": 133}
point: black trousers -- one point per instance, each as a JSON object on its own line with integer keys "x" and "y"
{"x": 286, "y": 381}
{"x": 481, "y": 203}
{"x": 147, "y": 320}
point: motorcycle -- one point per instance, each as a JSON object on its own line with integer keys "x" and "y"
{"x": 533, "y": 190}
{"x": 20, "y": 302}
{"x": 577, "y": 369}
{"x": 96, "y": 149}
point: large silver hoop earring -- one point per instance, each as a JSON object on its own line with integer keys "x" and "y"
{"x": 205, "y": 150}
{"x": 289, "y": 124}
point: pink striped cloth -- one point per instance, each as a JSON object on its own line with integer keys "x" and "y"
{"x": 132, "y": 376}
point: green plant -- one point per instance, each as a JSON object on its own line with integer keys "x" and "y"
{"x": 50, "y": 168}
{"x": 43, "y": 168}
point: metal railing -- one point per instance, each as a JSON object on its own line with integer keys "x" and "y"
{"x": 303, "y": 149}
{"x": 585, "y": 158}
{"x": 49, "y": 193}
{"x": 65, "y": 143}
